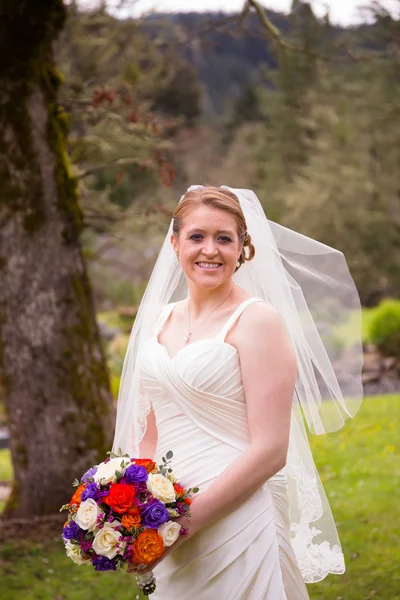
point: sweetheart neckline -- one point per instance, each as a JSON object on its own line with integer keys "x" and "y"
{"x": 211, "y": 339}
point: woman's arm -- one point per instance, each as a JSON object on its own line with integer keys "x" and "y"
{"x": 269, "y": 367}
{"x": 147, "y": 446}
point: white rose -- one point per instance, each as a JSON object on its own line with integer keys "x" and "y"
{"x": 161, "y": 487}
{"x": 169, "y": 532}
{"x": 106, "y": 540}
{"x": 106, "y": 471}
{"x": 74, "y": 553}
{"x": 86, "y": 516}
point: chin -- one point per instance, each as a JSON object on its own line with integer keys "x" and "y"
{"x": 209, "y": 281}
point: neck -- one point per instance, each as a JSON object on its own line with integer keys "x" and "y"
{"x": 203, "y": 299}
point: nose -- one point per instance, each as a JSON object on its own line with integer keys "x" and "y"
{"x": 209, "y": 247}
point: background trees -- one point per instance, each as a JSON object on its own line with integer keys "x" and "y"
{"x": 134, "y": 113}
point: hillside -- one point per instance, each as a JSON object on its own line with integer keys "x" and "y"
{"x": 226, "y": 56}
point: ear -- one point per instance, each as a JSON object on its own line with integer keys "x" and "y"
{"x": 174, "y": 243}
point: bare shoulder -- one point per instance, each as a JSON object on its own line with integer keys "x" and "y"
{"x": 258, "y": 316}
{"x": 262, "y": 329}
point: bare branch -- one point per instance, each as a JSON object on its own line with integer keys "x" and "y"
{"x": 276, "y": 37}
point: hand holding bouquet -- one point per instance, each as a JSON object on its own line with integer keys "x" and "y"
{"x": 122, "y": 514}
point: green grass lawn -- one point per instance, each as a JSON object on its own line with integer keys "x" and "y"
{"x": 360, "y": 468}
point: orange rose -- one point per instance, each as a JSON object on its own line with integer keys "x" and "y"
{"x": 148, "y": 464}
{"x": 121, "y": 497}
{"x": 178, "y": 489}
{"x": 147, "y": 547}
{"x": 77, "y": 496}
{"x": 187, "y": 500}
{"x": 131, "y": 521}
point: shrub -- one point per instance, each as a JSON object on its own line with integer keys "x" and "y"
{"x": 384, "y": 329}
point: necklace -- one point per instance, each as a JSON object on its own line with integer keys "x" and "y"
{"x": 187, "y": 337}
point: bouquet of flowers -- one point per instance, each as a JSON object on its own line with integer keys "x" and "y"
{"x": 123, "y": 513}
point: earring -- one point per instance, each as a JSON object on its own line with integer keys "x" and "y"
{"x": 177, "y": 255}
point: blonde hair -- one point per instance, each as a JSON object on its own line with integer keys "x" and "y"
{"x": 217, "y": 198}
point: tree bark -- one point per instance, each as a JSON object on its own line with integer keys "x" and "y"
{"x": 53, "y": 375}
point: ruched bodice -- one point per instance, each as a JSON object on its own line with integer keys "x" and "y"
{"x": 208, "y": 369}
{"x": 200, "y": 407}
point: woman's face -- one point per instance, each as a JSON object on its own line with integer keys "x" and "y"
{"x": 208, "y": 245}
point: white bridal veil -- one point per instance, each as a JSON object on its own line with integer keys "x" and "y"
{"x": 310, "y": 285}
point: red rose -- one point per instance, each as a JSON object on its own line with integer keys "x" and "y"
{"x": 179, "y": 489}
{"x": 121, "y": 497}
{"x": 188, "y": 500}
{"x": 148, "y": 464}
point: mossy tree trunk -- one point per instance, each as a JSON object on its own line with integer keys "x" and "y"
{"x": 54, "y": 378}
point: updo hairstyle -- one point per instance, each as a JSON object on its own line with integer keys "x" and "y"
{"x": 217, "y": 198}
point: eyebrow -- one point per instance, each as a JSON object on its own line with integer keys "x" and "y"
{"x": 227, "y": 231}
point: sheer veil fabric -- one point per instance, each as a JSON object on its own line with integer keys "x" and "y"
{"x": 311, "y": 287}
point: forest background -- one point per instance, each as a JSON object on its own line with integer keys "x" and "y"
{"x": 104, "y": 124}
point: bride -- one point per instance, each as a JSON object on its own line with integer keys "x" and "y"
{"x": 224, "y": 363}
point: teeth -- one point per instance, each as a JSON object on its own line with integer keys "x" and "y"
{"x": 208, "y": 265}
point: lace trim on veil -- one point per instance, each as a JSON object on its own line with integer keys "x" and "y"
{"x": 315, "y": 560}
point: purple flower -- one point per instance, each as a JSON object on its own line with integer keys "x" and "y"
{"x": 92, "y": 491}
{"x": 141, "y": 488}
{"x": 136, "y": 473}
{"x": 90, "y": 473}
{"x": 72, "y": 531}
{"x": 154, "y": 514}
{"x": 102, "y": 563}
{"x": 180, "y": 508}
{"x": 87, "y": 545}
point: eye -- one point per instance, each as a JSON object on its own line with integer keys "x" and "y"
{"x": 196, "y": 237}
{"x": 225, "y": 238}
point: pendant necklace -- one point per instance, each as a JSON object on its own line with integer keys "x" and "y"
{"x": 187, "y": 337}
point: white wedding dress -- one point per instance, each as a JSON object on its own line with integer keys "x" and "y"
{"x": 200, "y": 408}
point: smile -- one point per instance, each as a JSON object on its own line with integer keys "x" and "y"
{"x": 208, "y": 266}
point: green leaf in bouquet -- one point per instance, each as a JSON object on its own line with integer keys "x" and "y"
{"x": 195, "y": 490}
{"x": 118, "y": 474}
{"x": 75, "y": 482}
{"x": 169, "y": 454}
{"x": 64, "y": 507}
{"x": 169, "y": 470}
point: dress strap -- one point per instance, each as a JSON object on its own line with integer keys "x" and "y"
{"x": 165, "y": 313}
{"x": 235, "y": 315}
